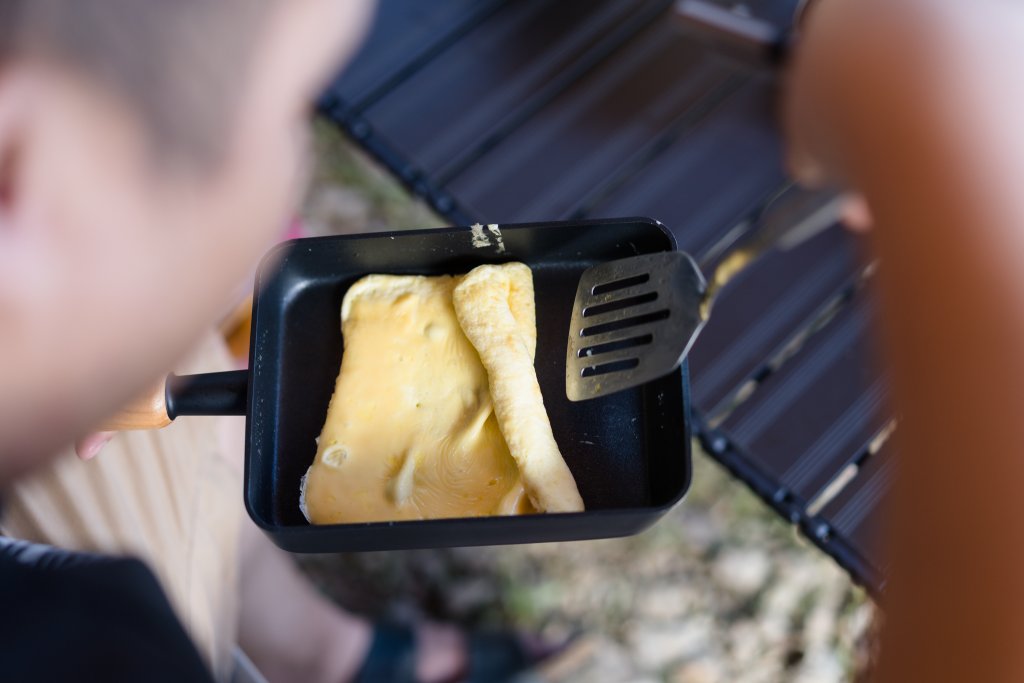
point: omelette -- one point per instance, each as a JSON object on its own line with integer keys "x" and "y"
{"x": 436, "y": 410}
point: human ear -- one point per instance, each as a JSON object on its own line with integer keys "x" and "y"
{"x": 8, "y": 146}
{"x": 16, "y": 101}
{"x": 23, "y": 262}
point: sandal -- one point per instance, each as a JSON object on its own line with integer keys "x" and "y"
{"x": 391, "y": 657}
{"x": 491, "y": 657}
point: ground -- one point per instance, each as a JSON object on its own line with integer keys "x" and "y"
{"x": 720, "y": 589}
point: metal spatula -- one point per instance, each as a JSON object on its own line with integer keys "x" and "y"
{"x": 635, "y": 319}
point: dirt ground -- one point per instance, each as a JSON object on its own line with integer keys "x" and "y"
{"x": 719, "y": 590}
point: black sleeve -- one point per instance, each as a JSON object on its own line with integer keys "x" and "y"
{"x": 79, "y": 617}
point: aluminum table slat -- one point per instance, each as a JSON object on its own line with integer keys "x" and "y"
{"x": 758, "y": 314}
{"x": 546, "y": 167}
{"x": 807, "y": 421}
{"x": 403, "y": 33}
{"x": 712, "y": 174}
{"x": 481, "y": 86}
{"x": 851, "y": 525}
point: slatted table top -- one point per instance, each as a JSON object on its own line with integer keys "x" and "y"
{"x": 503, "y": 111}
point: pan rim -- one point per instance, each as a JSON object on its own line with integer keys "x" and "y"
{"x": 267, "y": 268}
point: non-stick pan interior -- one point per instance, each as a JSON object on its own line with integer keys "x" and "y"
{"x": 626, "y": 451}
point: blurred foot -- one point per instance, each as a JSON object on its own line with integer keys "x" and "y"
{"x": 441, "y": 653}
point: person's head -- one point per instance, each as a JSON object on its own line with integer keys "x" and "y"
{"x": 149, "y": 151}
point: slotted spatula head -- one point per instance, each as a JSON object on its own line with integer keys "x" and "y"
{"x": 633, "y": 321}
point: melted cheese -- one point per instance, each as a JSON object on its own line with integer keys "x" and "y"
{"x": 410, "y": 430}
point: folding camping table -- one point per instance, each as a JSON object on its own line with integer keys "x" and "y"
{"x": 502, "y": 111}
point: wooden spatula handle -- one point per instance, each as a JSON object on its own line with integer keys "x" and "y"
{"x": 148, "y": 411}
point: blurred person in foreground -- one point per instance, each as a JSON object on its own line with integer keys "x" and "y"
{"x": 147, "y": 159}
{"x": 150, "y": 151}
{"x": 918, "y": 105}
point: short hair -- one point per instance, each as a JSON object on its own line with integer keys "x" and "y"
{"x": 178, "y": 63}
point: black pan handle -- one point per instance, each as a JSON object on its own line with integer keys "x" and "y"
{"x": 214, "y": 393}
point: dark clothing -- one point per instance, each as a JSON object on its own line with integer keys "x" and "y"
{"x": 80, "y": 617}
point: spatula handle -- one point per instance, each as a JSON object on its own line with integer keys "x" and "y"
{"x": 790, "y": 218}
{"x": 793, "y": 217}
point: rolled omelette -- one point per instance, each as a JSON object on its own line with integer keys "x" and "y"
{"x": 486, "y": 301}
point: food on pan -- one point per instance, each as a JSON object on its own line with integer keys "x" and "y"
{"x": 412, "y": 431}
{"x": 493, "y": 305}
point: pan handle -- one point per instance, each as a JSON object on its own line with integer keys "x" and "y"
{"x": 213, "y": 393}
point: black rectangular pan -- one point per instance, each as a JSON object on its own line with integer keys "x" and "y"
{"x": 629, "y": 452}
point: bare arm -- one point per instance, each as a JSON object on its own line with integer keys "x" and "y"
{"x": 920, "y": 105}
